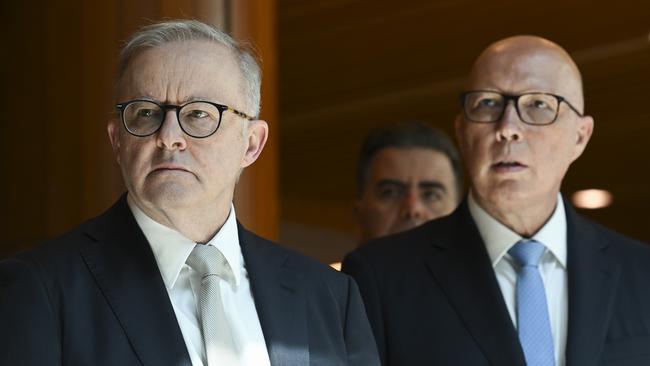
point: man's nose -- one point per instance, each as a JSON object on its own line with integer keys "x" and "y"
{"x": 412, "y": 207}
{"x": 509, "y": 127}
{"x": 171, "y": 136}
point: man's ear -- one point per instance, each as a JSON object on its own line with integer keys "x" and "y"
{"x": 583, "y": 135}
{"x": 256, "y": 136}
{"x": 113, "y": 129}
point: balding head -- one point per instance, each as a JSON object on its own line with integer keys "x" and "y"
{"x": 528, "y": 63}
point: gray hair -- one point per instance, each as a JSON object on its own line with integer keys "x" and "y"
{"x": 159, "y": 34}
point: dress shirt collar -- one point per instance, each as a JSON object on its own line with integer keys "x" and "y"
{"x": 171, "y": 249}
{"x": 499, "y": 239}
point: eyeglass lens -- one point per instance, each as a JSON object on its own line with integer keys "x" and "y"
{"x": 533, "y": 108}
{"x": 198, "y": 119}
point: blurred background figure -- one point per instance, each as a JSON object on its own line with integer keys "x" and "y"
{"x": 408, "y": 173}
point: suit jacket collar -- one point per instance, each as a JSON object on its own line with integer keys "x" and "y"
{"x": 461, "y": 266}
{"x": 593, "y": 277}
{"x": 122, "y": 263}
{"x": 280, "y": 300}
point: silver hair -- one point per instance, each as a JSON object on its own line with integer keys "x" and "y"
{"x": 159, "y": 34}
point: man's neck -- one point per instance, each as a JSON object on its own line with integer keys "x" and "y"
{"x": 524, "y": 219}
{"x": 199, "y": 223}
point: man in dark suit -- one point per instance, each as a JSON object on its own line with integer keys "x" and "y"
{"x": 167, "y": 276}
{"x": 513, "y": 276}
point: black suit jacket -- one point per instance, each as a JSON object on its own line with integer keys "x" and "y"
{"x": 433, "y": 299}
{"x": 95, "y": 296}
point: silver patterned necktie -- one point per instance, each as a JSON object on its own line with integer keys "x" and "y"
{"x": 213, "y": 267}
{"x": 533, "y": 323}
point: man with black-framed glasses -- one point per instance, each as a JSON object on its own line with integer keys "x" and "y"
{"x": 168, "y": 276}
{"x": 514, "y": 276}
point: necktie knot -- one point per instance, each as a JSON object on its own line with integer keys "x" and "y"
{"x": 527, "y": 252}
{"x": 209, "y": 261}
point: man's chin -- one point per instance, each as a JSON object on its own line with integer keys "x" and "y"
{"x": 504, "y": 191}
{"x": 170, "y": 195}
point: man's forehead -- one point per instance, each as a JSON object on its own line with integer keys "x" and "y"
{"x": 522, "y": 64}
{"x": 522, "y": 72}
{"x": 181, "y": 71}
{"x": 414, "y": 162}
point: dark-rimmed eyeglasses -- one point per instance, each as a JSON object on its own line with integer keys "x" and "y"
{"x": 198, "y": 118}
{"x": 486, "y": 106}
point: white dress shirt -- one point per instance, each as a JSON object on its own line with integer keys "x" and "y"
{"x": 171, "y": 250}
{"x": 499, "y": 239}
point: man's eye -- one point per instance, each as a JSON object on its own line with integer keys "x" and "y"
{"x": 431, "y": 195}
{"x": 540, "y": 104}
{"x": 146, "y": 113}
{"x": 197, "y": 113}
{"x": 389, "y": 193}
{"x": 487, "y": 102}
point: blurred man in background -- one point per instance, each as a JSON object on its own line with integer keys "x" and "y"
{"x": 408, "y": 173}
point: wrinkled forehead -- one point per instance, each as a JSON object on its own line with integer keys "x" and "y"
{"x": 525, "y": 71}
{"x": 181, "y": 71}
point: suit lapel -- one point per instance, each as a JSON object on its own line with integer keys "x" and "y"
{"x": 279, "y": 299}
{"x": 460, "y": 265}
{"x": 593, "y": 277}
{"x": 125, "y": 269}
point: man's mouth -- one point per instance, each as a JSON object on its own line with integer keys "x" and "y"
{"x": 169, "y": 167}
{"x": 507, "y": 166}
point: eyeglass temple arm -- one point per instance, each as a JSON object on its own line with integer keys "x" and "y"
{"x": 240, "y": 114}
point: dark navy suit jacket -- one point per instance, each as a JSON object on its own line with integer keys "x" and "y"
{"x": 433, "y": 299}
{"x": 95, "y": 296}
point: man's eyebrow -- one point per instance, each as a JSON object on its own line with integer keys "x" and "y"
{"x": 390, "y": 182}
{"x": 193, "y": 98}
{"x": 432, "y": 184}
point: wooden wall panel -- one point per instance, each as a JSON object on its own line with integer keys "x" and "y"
{"x": 257, "y": 194}
{"x": 23, "y": 146}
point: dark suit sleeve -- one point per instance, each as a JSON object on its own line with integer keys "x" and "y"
{"x": 28, "y": 332}
{"x": 359, "y": 342}
{"x": 360, "y": 270}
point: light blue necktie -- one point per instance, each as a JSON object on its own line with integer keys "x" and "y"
{"x": 533, "y": 323}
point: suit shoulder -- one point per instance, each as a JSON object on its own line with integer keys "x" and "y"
{"x": 630, "y": 249}
{"x": 57, "y": 252}
{"x": 61, "y": 245}
{"x": 300, "y": 263}
{"x": 406, "y": 245}
{"x": 70, "y": 242}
